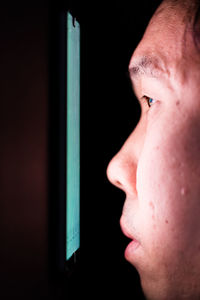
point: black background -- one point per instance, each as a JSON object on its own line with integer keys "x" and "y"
{"x": 110, "y": 113}
{"x": 110, "y": 31}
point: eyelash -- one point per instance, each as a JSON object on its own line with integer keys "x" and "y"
{"x": 148, "y": 100}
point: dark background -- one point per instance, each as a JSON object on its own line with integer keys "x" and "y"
{"x": 109, "y": 112}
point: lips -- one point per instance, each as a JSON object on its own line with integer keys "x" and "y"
{"x": 133, "y": 245}
{"x": 125, "y": 231}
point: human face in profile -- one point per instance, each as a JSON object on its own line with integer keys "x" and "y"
{"x": 158, "y": 166}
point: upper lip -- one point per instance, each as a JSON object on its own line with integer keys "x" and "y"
{"x": 125, "y": 231}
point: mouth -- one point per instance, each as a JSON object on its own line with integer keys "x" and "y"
{"x": 132, "y": 246}
{"x": 131, "y": 249}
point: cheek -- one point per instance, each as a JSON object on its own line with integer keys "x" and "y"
{"x": 168, "y": 184}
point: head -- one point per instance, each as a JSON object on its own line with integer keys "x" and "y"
{"x": 158, "y": 166}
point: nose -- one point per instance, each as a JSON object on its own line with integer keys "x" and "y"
{"x": 121, "y": 170}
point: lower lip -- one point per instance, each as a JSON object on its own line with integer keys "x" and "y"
{"x": 131, "y": 248}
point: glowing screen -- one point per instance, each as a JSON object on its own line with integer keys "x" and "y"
{"x": 73, "y": 137}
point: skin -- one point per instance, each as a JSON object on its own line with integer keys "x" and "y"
{"x": 158, "y": 166}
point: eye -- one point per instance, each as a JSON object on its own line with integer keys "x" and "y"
{"x": 149, "y": 101}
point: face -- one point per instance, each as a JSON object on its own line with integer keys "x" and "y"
{"x": 158, "y": 166}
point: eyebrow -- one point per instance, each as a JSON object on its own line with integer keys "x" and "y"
{"x": 146, "y": 66}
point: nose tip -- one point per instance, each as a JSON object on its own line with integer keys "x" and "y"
{"x": 113, "y": 173}
{"x": 122, "y": 169}
{"x": 121, "y": 172}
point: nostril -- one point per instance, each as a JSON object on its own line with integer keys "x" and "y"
{"x": 118, "y": 183}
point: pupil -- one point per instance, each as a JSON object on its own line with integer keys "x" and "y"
{"x": 150, "y": 101}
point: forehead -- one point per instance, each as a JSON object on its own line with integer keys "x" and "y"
{"x": 165, "y": 37}
{"x": 169, "y": 39}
